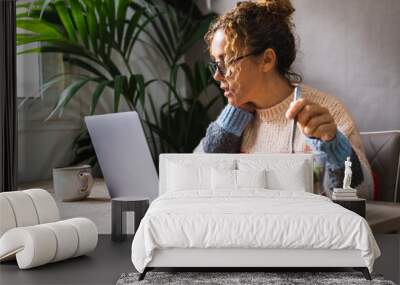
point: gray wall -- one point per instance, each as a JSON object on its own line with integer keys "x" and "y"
{"x": 350, "y": 49}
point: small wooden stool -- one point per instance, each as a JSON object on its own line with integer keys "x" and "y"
{"x": 119, "y": 205}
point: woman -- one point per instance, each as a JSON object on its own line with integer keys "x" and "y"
{"x": 253, "y": 48}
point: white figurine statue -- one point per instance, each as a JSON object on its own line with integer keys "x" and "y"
{"x": 347, "y": 174}
{"x": 346, "y": 192}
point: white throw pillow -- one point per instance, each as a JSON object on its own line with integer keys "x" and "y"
{"x": 251, "y": 178}
{"x": 223, "y": 179}
{"x": 196, "y": 174}
{"x": 280, "y": 174}
{"x": 294, "y": 179}
{"x": 184, "y": 178}
{"x": 237, "y": 179}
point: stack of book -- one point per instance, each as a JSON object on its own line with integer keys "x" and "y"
{"x": 344, "y": 194}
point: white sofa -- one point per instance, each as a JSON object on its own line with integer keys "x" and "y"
{"x": 31, "y": 231}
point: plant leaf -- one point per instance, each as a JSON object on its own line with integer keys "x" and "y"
{"x": 96, "y": 95}
{"x": 60, "y": 49}
{"x": 64, "y": 15}
{"x": 165, "y": 27}
{"x": 79, "y": 19}
{"x": 133, "y": 24}
{"x": 165, "y": 45}
{"x": 121, "y": 15}
{"x": 118, "y": 88}
{"x": 92, "y": 27}
{"x": 44, "y": 6}
{"x": 141, "y": 89}
{"x": 193, "y": 36}
{"x": 67, "y": 95}
{"x": 110, "y": 12}
{"x": 85, "y": 65}
{"x": 189, "y": 76}
{"x": 40, "y": 27}
{"x": 140, "y": 29}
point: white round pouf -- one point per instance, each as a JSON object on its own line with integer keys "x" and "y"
{"x": 32, "y": 246}
{"x": 31, "y": 233}
{"x": 7, "y": 216}
{"x": 40, "y": 244}
{"x": 45, "y": 205}
{"x": 87, "y": 232}
{"x": 67, "y": 239}
{"x": 23, "y": 208}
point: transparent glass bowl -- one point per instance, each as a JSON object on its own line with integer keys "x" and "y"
{"x": 319, "y": 165}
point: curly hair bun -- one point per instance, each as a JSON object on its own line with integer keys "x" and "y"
{"x": 277, "y": 7}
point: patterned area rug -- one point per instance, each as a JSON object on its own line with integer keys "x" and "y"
{"x": 242, "y": 278}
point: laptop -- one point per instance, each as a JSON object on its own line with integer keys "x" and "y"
{"x": 123, "y": 154}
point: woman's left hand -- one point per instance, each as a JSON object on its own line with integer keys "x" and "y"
{"x": 312, "y": 119}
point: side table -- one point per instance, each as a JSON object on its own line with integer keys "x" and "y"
{"x": 119, "y": 205}
{"x": 356, "y": 205}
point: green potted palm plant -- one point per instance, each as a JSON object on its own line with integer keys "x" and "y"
{"x": 99, "y": 37}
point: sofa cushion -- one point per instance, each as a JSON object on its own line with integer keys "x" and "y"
{"x": 377, "y": 186}
{"x": 383, "y": 153}
{"x": 383, "y": 217}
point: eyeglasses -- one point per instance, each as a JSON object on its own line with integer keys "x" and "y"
{"x": 217, "y": 65}
{"x": 220, "y": 65}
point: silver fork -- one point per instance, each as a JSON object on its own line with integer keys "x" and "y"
{"x": 296, "y": 96}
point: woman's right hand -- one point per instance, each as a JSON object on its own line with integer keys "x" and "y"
{"x": 249, "y": 107}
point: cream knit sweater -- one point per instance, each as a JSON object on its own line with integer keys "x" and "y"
{"x": 269, "y": 132}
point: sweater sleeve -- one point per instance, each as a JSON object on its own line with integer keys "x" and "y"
{"x": 337, "y": 150}
{"x": 224, "y": 134}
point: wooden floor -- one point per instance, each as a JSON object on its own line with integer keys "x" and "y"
{"x": 110, "y": 259}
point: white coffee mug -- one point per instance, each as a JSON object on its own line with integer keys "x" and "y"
{"x": 72, "y": 183}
